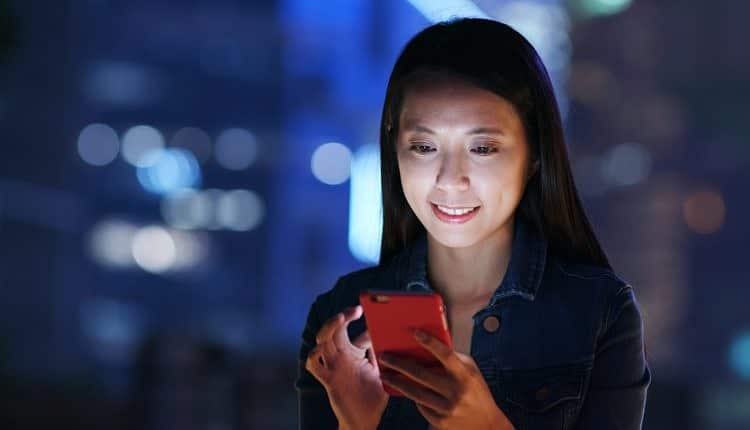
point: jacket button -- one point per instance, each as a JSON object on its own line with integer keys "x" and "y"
{"x": 491, "y": 323}
{"x": 542, "y": 393}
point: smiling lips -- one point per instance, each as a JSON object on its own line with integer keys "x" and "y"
{"x": 454, "y": 215}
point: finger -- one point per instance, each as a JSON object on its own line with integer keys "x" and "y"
{"x": 328, "y": 327}
{"x": 434, "y": 378}
{"x": 315, "y": 363}
{"x": 441, "y": 351}
{"x": 363, "y": 340}
{"x": 414, "y": 391}
{"x": 331, "y": 325}
{"x": 340, "y": 335}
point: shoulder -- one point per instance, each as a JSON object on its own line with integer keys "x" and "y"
{"x": 612, "y": 293}
{"x": 603, "y": 279}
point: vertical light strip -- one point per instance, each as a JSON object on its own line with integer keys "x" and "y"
{"x": 365, "y": 205}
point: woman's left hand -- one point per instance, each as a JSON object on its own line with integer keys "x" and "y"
{"x": 457, "y": 397}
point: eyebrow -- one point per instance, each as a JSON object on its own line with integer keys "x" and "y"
{"x": 478, "y": 130}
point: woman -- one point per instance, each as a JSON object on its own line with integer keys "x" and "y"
{"x": 480, "y": 206}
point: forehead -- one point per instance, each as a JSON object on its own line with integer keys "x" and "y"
{"x": 452, "y": 102}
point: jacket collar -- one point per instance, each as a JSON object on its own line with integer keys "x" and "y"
{"x": 522, "y": 278}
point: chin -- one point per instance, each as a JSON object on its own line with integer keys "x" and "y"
{"x": 458, "y": 238}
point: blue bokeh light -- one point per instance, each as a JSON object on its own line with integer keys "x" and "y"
{"x": 739, "y": 355}
{"x": 169, "y": 170}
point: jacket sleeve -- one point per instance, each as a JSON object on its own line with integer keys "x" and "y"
{"x": 314, "y": 409}
{"x": 620, "y": 376}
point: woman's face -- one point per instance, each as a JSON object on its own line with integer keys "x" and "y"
{"x": 460, "y": 146}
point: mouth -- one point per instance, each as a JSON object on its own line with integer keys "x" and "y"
{"x": 454, "y": 215}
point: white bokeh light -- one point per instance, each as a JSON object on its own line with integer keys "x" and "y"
{"x": 138, "y": 142}
{"x": 110, "y": 243}
{"x": 98, "y": 144}
{"x": 331, "y": 163}
{"x": 154, "y": 249}
{"x": 191, "y": 249}
{"x": 235, "y": 149}
{"x": 187, "y": 209}
{"x": 240, "y": 210}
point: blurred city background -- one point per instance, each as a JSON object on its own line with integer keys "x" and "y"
{"x": 179, "y": 179}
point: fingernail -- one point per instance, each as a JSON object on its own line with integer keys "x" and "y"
{"x": 420, "y": 335}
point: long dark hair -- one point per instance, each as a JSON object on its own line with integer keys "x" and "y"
{"x": 497, "y": 58}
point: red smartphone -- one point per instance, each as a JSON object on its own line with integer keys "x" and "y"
{"x": 391, "y": 317}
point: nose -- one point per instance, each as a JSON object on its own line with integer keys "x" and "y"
{"x": 452, "y": 175}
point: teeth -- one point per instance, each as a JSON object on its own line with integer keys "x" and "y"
{"x": 458, "y": 211}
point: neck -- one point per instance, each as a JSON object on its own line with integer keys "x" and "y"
{"x": 470, "y": 275}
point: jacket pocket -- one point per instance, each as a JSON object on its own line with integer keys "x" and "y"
{"x": 544, "y": 398}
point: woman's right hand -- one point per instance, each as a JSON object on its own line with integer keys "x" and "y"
{"x": 349, "y": 372}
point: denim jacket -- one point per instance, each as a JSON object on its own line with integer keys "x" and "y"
{"x": 568, "y": 352}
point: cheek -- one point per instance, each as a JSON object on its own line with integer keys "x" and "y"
{"x": 413, "y": 179}
{"x": 415, "y": 182}
{"x": 498, "y": 182}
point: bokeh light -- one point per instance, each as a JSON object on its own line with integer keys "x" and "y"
{"x": 602, "y": 7}
{"x": 213, "y": 195}
{"x": 122, "y": 84}
{"x": 138, "y": 142}
{"x": 154, "y": 249}
{"x": 739, "y": 355}
{"x": 114, "y": 328}
{"x": 195, "y": 140}
{"x": 704, "y": 211}
{"x": 235, "y": 149}
{"x": 191, "y": 250}
{"x": 110, "y": 243}
{"x": 187, "y": 209}
{"x": 626, "y": 164}
{"x": 365, "y": 206}
{"x": 441, "y": 10}
{"x": 168, "y": 170}
{"x": 331, "y": 163}
{"x": 240, "y": 210}
{"x": 98, "y": 144}
{"x": 593, "y": 84}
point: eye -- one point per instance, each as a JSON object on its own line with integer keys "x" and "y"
{"x": 484, "y": 150}
{"x": 420, "y": 148}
